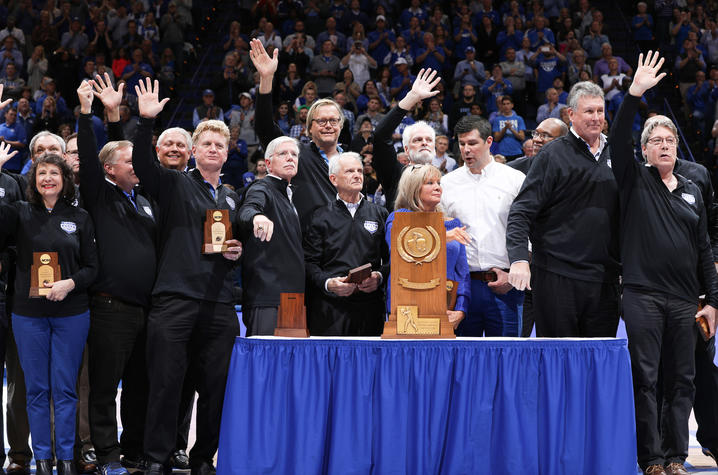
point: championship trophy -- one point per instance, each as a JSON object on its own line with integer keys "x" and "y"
{"x": 291, "y": 316}
{"x": 418, "y": 278}
{"x": 45, "y": 269}
{"x": 217, "y": 230}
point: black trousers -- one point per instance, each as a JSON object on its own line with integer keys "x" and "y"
{"x": 339, "y": 317}
{"x": 527, "y": 317}
{"x": 705, "y": 405}
{"x": 566, "y": 307}
{"x": 661, "y": 333}
{"x": 187, "y": 334}
{"x": 185, "y": 413}
{"x": 116, "y": 351}
{"x": 260, "y": 320}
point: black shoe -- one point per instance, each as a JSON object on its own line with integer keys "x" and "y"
{"x": 203, "y": 468}
{"x": 43, "y": 467}
{"x": 180, "y": 460}
{"x": 153, "y": 468}
{"x": 133, "y": 461}
{"x": 18, "y": 468}
{"x": 67, "y": 467}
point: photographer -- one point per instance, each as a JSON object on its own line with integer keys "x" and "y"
{"x": 359, "y": 62}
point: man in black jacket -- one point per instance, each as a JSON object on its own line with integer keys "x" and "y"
{"x": 667, "y": 263}
{"x": 272, "y": 237}
{"x": 192, "y": 322}
{"x": 568, "y": 205}
{"x": 341, "y": 236}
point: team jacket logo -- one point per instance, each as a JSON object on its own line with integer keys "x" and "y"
{"x": 231, "y": 202}
{"x": 689, "y": 198}
{"x": 148, "y": 210}
{"x": 2, "y": 192}
{"x": 371, "y": 226}
{"x": 68, "y": 226}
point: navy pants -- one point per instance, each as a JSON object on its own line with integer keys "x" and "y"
{"x": 50, "y": 351}
{"x": 491, "y": 314}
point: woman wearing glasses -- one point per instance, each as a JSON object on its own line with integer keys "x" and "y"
{"x": 667, "y": 264}
{"x": 420, "y": 190}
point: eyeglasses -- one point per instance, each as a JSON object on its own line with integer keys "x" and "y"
{"x": 542, "y": 135}
{"x": 670, "y": 141}
{"x": 322, "y": 122}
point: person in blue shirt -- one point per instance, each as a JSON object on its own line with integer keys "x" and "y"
{"x": 13, "y": 134}
{"x": 464, "y": 36}
{"x": 380, "y": 40}
{"x": 642, "y": 26}
{"x": 549, "y": 65}
{"x": 495, "y": 87}
{"x": 401, "y": 84}
{"x": 414, "y": 11}
{"x": 509, "y": 130}
{"x": 540, "y": 35}
{"x": 431, "y": 56}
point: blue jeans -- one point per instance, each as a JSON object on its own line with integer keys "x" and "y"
{"x": 50, "y": 351}
{"x": 491, "y": 314}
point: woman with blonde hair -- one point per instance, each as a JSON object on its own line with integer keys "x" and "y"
{"x": 420, "y": 190}
{"x": 307, "y": 97}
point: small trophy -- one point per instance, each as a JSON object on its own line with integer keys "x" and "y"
{"x": 45, "y": 269}
{"x": 217, "y": 230}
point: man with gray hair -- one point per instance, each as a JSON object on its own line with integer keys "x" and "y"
{"x": 568, "y": 206}
{"x": 272, "y": 239}
{"x": 343, "y": 235}
{"x": 173, "y": 148}
{"x": 545, "y": 132}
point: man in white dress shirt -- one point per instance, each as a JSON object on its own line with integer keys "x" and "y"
{"x": 480, "y": 195}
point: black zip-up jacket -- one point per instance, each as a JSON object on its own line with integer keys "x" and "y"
{"x": 387, "y": 167}
{"x": 311, "y": 185}
{"x": 335, "y": 243}
{"x": 664, "y": 239}
{"x": 66, "y": 230}
{"x": 277, "y": 265}
{"x": 521, "y": 164}
{"x": 699, "y": 175}
{"x": 125, "y": 235}
{"x": 183, "y": 199}
{"x": 9, "y": 193}
{"x": 568, "y": 206}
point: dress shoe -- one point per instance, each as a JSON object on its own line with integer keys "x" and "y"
{"x": 153, "y": 468}
{"x": 113, "y": 468}
{"x": 43, "y": 467}
{"x": 655, "y": 470}
{"x": 133, "y": 461}
{"x": 203, "y": 468}
{"x": 67, "y": 467}
{"x": 18, "y": 468}
{"x": 180, "y": 460}
{"x": 676, "y": 468}
{"x": 712, "y": 453}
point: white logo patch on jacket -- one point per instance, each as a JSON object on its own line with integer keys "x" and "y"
{"x": 68, "y": 226}
{"x": 2, "y": 192}
{"x": 148, "y": 210}
{"x": 371, "y": 226}
{"x": 689, "y": 198}
{"x": 231, "y": 202}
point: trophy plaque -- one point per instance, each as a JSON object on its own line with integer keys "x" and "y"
{"x": 217, "y": 230}
{"x": 359, "y": 274}
{"x": 291, "y": 316}
{"x": 45, "y": 269}
{"x": 418, "y": 278}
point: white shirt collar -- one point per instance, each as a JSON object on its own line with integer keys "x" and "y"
{"x": 601, "y": 144}
{"x": 352, "y": 207}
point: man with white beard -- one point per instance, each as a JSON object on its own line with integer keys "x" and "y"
{"x": 418, "y": 138}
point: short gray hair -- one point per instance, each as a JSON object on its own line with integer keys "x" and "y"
{"x": 583, "y": 89}
{"x": 272, "y": 146}
{"x": 334, "y": 164}
{"x": 45, "y": 133}
{"x": 413, "y": 128}
{"x": 180, "y": 130}
{"x": 657, "y": 121}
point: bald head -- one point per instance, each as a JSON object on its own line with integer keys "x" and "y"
{"x": 548, "y": 130}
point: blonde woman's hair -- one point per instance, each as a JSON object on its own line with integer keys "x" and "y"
{"x": 409, "y": 191}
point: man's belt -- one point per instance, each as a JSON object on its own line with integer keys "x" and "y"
{"x": 484, "y": 276}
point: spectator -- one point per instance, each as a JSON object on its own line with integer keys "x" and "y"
{"x": 120, "y": 61}
{"x": 233, "y": 79}
{"x": 235, "y": 167}
{"x": 270, "y": 36}
{"x": 549, "y": 64}
{"x": 299, "y": 130}
{"x": 437, "y": 19}
{"x": 324, "y": 67}
{"x": 75, "y": 40}
{"x": 680, "y": 26}
{"x": 443, "y": 160}
{"x": 307, "y": 97}
{"x": 26, "y": 117}
{"x": 260, "y": 172}
{"x": 401, "y": 83}
{"x": 12, "y": 30}
{"x": 291, "y": 86}
{"x": 414, "y": 35}
{"x": 688, "y": 63}
{"x": 509, "y": 130}
{"x": 515, "y": 71}
{"x": 576, "y": 64}
{"x": 399, "y": 49}
{"x": 495, "y": 87}
{"x": 148, "y": 30}
{"x": 370, "y": 90}
{"x": 297, "y": 52}
{"x": 208, "y": 110}
{"x": 373, "y": 113}
{"x": 414, "y": 11}
{"x": 340, "y": 97}
{"x": 349, "y": 85}
{"x": 611, "y": 82}
{"x": 12, "y": 133}
{"x": 430, "y": 56}
{"x": 436, "y": 118}
{"x": 364, "y": 138}
{"x": 469, "y": 70}
{"x": 464, "y": 36}
{"x": 552, "y": 108}
{"x": 566, "y": 32}
{"x": 709, "y": 41}
{"x": 102, "y": 43}
{"x": 134, "y": 72}
{"x": 132, "y": 38}
{"x": 48, "y": 118}
{"x": 509, "y": 37}
{"x": 12, "y": 82}
{"x": 172, "y": 27}
{"x": 443, "y": 40}
{"x": 298, "y": 29}
{"x": 359, "y": 62}
{"x": 594, "y": 40}
{"x": 463, "y": 107}
{"x": 337, "y": 38}
{"x": 583, "y": 15}
{"x": 601, "y": 66}
{"x": 45, "y": 34}
{"x": 50, "y": 91}
{"x": 487, "y": 32}
{"x": 380, "y": 40}
{"x": 10, "y": 54}
{"x": 540, "y": 35}
{"x": 128, "y": 122}
{"x": 642, "y": 26}
{"x": 698, "y": 100}
{"x": 354, "y": 15}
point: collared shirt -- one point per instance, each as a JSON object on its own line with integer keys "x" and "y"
{"x": 212, "y": 189}
{"x": 482, "y": 201}
{"x": 352, "y": 207}
{"x": 325, "y": 156}
{"x": 601, "y": 144}
{"x": 130, "y": 196}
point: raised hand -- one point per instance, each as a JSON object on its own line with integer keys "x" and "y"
{"x": 5, "y": 153}
{"x": 148, "y": 98}
{"x": 106, "y": 93}
{"x": 84, "y": 93}
{"x": 646, "y": 75}
{"x": 425, "y": 82}
{"x": 264, "y": 65}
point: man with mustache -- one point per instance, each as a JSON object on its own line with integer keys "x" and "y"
{"x": 343, "y": 235}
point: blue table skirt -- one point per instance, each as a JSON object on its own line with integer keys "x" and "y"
{"x": 428, "y": 407}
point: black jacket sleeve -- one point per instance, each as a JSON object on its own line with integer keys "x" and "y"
{"x": 154, "y": 178}
{"x": 255, "y": 200}
{"x": 623, "y": 164}
{"x": 115, "y": 132}
{"x": 8, "y": 224}
{"x": 707, "y": 270}
{"x": 92, "y": 176}
{"x": 387, "y": 167}
{"x": 264, "y": 126}
{"x": 314, "y": 237}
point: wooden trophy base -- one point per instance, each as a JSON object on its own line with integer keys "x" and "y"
{"x": 425, "y": 327}
{"x": 214, "y": 248}
{"x": 291, "y": 316}
{"x": 39, "y": 293}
